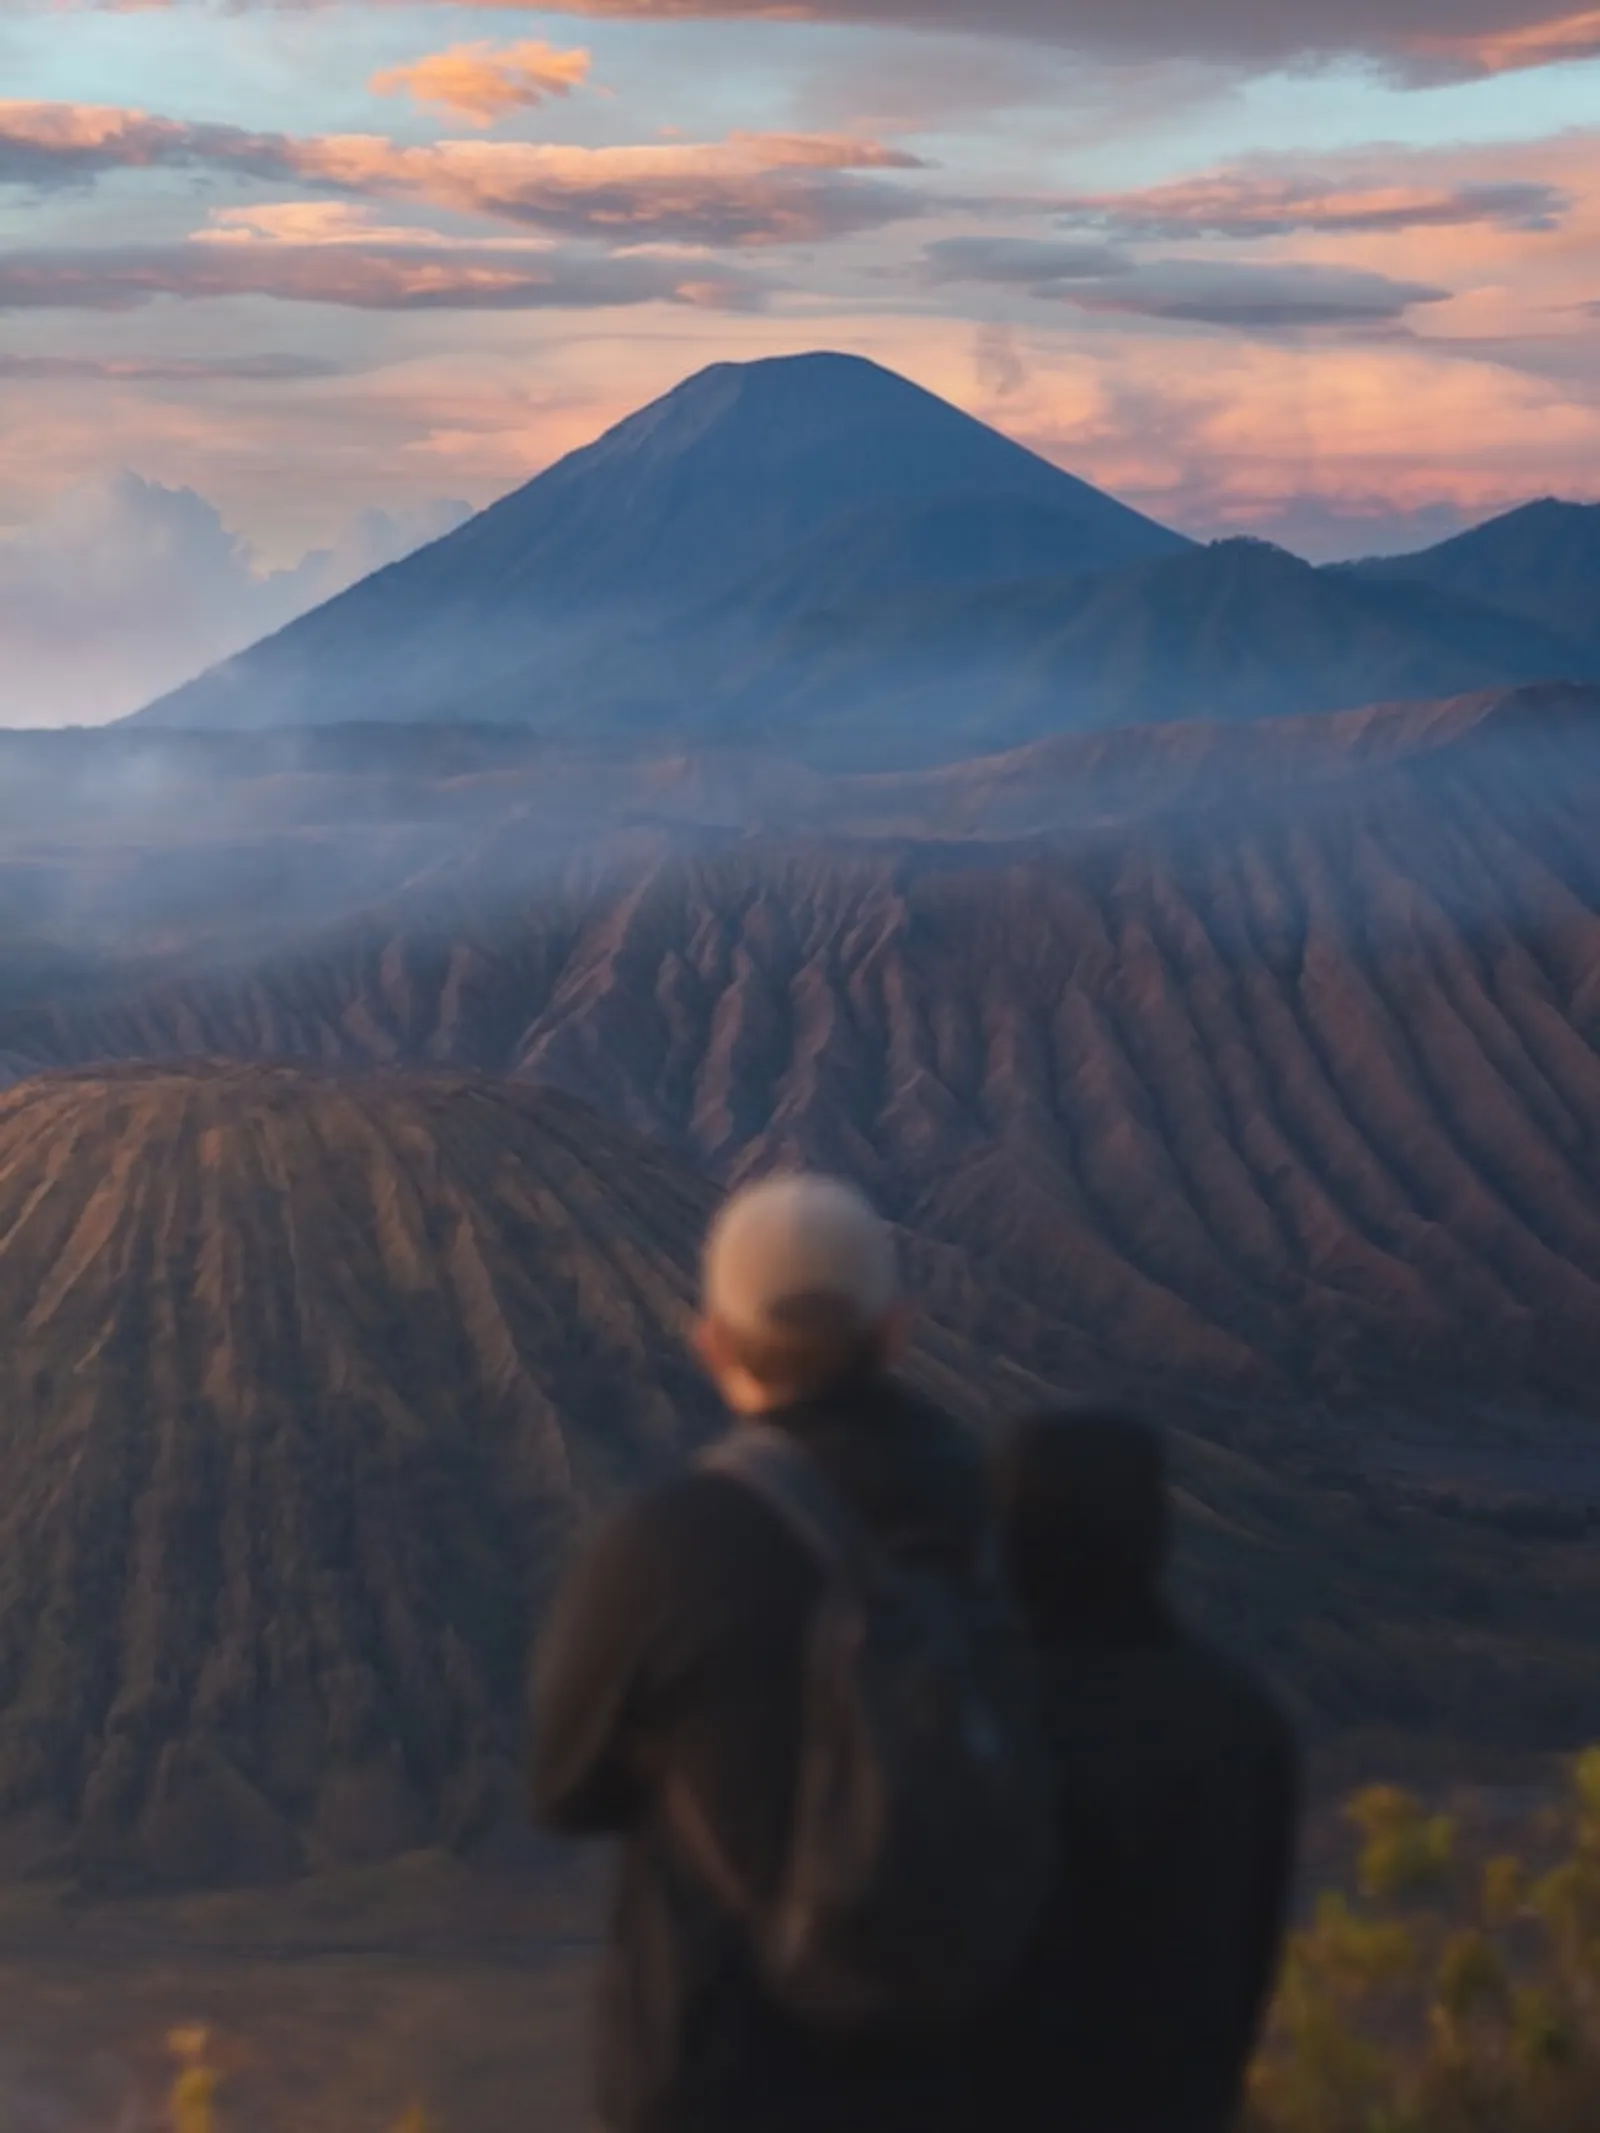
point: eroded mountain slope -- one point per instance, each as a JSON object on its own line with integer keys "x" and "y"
{"x": 1284, "y": 1085}
{"x": 309, "y": 1380}
{"x": 302, "y": 1383}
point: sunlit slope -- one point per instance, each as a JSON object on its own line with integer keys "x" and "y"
{"x": 310, "y": 1380}
{"x": 304, "y": 1386}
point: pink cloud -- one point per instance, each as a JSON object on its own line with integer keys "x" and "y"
{"x": 1240, "y": 433}
{"x": 45, "y": 144}
{"x": 749, "y": 189}
{"x": 482, "y": 84}
{"x": 1513, "y": 48}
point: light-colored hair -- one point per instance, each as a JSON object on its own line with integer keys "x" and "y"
{"x": 800, "y": 1281}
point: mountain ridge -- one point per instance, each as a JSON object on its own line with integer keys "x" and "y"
{"x": 670, "y": 509}
{"x": 1238, "y": 629}
{"x": 814, "y": 557}
{"x": 1539, "y": 563}
{"x": 1290, "y": 1082}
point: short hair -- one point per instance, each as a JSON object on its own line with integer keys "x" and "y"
{"x": 800, "y": 1278}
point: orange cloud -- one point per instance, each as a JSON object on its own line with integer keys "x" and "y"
{"x": 1538, "y": 44}
{"x": 1216, "y": 435}
{"x": 749, "y": 189}
{"x": 481, "y": 84}
{"x": 310, "y": 222}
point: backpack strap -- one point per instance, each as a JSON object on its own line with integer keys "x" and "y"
{"x": 770, "y": 1465}
{"x": 773, "y": 1466}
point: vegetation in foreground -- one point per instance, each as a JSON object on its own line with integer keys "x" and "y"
{"x": 1454, "y": 1988}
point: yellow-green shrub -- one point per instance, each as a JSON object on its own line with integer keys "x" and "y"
{"x": 1444, "y": 1995}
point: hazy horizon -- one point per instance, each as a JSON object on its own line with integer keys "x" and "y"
{"x": 124, "y": 588}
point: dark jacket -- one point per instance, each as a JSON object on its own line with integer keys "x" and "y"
{"x": 674, "y": 1651}
{"x": 1178, "y": 1802}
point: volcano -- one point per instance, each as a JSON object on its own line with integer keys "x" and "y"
{"x": 814, "y": 558}
{"x": 740, "y": 470}
{"x": 306, "y": 1379}
{"x": 311, "y": 1378}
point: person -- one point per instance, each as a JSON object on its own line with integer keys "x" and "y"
{"x": 668, "y": 1691}
{"x": 1177, "y": 1777}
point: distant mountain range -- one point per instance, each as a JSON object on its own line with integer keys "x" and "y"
{"x": 815, "y": 557}
{"x": 1540, "y": 564}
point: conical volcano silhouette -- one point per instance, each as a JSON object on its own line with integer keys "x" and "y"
{"x": 742, "y": 470}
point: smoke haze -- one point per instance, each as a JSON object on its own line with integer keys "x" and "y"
{"x": 125, "y": 588}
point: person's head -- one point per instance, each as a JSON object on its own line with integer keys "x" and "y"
{"x": 801, "y": 1294}
{"x": 1082, "y": 1501}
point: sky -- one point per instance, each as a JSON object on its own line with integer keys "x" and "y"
{"x": 287, "y": 286}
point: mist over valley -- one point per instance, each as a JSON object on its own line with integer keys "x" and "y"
{"x": 1194, "y": 953}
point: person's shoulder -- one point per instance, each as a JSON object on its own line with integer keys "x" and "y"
{"x": 1243, "y": 1698}
{"x": 686, "y": 1532}
{"x": 680, "y": 1511}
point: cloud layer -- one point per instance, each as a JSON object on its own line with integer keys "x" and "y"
{"x": 1512, "y": 47}
{"x": 1244, "y": 204}
{"x": 267, "y": 369}
{"x": 124, "y": 588}
{"x": 363, "y": 276}
{"x": 1439, "y": 39}
{"x": 1288, "y": 296}
{"x": 750, "y": 189}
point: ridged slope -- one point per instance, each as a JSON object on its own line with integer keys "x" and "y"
{"x": 1239, "y": 630}
{"x": 305, "y": 1384}
{"x": 1297, "y": 1090}
{"x": 309, "y": 1380}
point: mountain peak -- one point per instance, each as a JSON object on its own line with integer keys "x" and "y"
{"x": 812, "y": 369}
{"x": 827, "y": 431}
{"x": 1539, "y": 562}
{"x": 627, "y": 546}
{"x": 824, "y": 375}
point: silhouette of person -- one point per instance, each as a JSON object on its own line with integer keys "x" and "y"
{"x": 1140, "y": 2005}
{"x": 671, "y": 1670}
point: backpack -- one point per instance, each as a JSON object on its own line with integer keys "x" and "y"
{"x": 922, "y": 1846}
